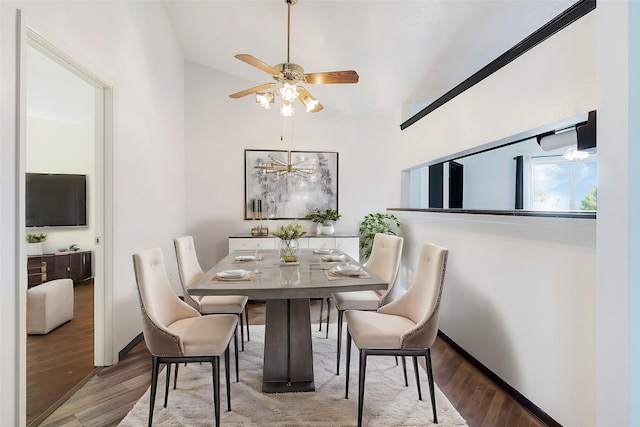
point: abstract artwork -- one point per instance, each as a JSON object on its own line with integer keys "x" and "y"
{"x": 289, "y": 195}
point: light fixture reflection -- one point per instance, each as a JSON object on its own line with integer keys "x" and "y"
{"x": 573, "y": 153}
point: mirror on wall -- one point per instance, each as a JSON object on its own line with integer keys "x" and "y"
{"x": 551, "y": 169}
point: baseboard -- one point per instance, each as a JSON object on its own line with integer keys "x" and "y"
{"x": 515, "y": 394}
{"x": 134, "y": 342}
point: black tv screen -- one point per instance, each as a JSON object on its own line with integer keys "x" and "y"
{"x": 56, "y": 200}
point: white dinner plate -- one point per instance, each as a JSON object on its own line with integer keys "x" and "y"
{"x": 234, "y": 279}
{"x": 334, "y": 258}
{"x": 324, "y": 251}
{"x": 245, "y": 258}
{"x": 233, "y": 274}
{"x": 348, "y": 270}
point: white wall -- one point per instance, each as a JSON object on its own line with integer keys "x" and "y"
{"x": 132, "y": 46}
{"x": 633, "y": 338}
{"x": 618, "y": 306}
{"x": 520, "y": 297}
{"x": 510, "y": 303}
{"x": 219, "y": 129}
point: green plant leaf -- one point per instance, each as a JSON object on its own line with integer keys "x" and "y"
{"x": 373, "y": 224}
{"x": 323, "y": 217}
{"x": 289, "y": 232}
{"x": 36, "y": 238}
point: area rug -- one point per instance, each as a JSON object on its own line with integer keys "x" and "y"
{"x": 387, "y": 401}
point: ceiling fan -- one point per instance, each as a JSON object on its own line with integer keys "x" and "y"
{"x": 288, "y": 76}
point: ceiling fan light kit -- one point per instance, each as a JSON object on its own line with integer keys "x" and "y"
{"x": 289, "y": 92}
{"x": 287, "y": 109}
{"x": 288, "y": 77}
{"x": 311, "y": 104}
{"x": 264, "y": 99}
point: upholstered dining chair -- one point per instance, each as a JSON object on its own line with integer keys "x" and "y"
{"x": 384, "y": 262}
{"x": 190, "y": 271}
{"x": 405, "y": 327}
{"x": 174, "y": 332}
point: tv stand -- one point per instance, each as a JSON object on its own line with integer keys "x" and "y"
{"x": 64, "y": 265}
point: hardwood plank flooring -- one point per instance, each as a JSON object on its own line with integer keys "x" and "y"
{"x": 113, "y": 390}
{"x": 59, "y": 360}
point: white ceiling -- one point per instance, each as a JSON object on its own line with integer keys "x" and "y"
{"x": 404, "y": 51}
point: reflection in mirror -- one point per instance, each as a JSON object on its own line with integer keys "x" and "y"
{"x": 540, "y": 170}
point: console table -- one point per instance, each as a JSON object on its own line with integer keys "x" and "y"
{"x": 65, "y": 265}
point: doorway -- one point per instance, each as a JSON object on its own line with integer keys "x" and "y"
{"x": 66, "y": 127}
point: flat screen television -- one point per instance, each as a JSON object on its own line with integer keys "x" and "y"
{"x": 56, "y": 200}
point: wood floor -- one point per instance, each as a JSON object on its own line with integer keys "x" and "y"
{"x": 112, "y": 391}
{"x": 59, "y": 360}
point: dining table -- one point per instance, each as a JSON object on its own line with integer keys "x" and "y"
{"x": 287, "y": 289}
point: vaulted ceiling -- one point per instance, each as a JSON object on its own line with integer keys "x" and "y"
{"x": 403, "y": 51}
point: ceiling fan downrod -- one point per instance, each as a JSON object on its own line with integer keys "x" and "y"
{"x": 289, "y": 4}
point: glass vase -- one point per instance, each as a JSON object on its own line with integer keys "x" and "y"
{"x": 289, "y": 250}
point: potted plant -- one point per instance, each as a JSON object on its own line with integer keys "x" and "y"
{"x": 289, "y": 246}
{"x": 34, "y": 243}
{"x": 324, "y": 220}
{"x": 373, "y": 224}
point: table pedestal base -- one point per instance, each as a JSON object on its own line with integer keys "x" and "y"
{"x": 288, "y": 353}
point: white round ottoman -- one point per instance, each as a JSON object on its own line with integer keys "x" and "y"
{"x": 49, "y": 305}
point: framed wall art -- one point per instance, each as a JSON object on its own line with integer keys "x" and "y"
{"x": 282, "y": 184}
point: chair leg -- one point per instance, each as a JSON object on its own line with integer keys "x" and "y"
{"x": 166, "y": 386}
{"x": 346, "y": 388}
{"x": 404, "y": 369}
{"x": 241, "y": 326}
{"x": 215, "y": 363}
{"x": 154, "y": 385}
{"x": 320, "y": 317}
{"x": 361, "y": 376}
{"x": 328, "y": 316}
{"x": 228, "y": 377}
{"x": 246, "y": 315}
{"x": 340, "y": 314}
{"x": 427, "y": 358}
{"x": 415, "y": 368}
{"x": 175, "y": 376}
{"x": 235, "y": 338}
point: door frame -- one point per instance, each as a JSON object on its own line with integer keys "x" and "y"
{"x": 34, "y": 36}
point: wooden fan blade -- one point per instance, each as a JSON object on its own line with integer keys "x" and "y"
{"x": 304, "y": 93}
{"x": 252, "y": 90}
{"x": 258, "y": 64}
{"x": 332, "y": 77}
